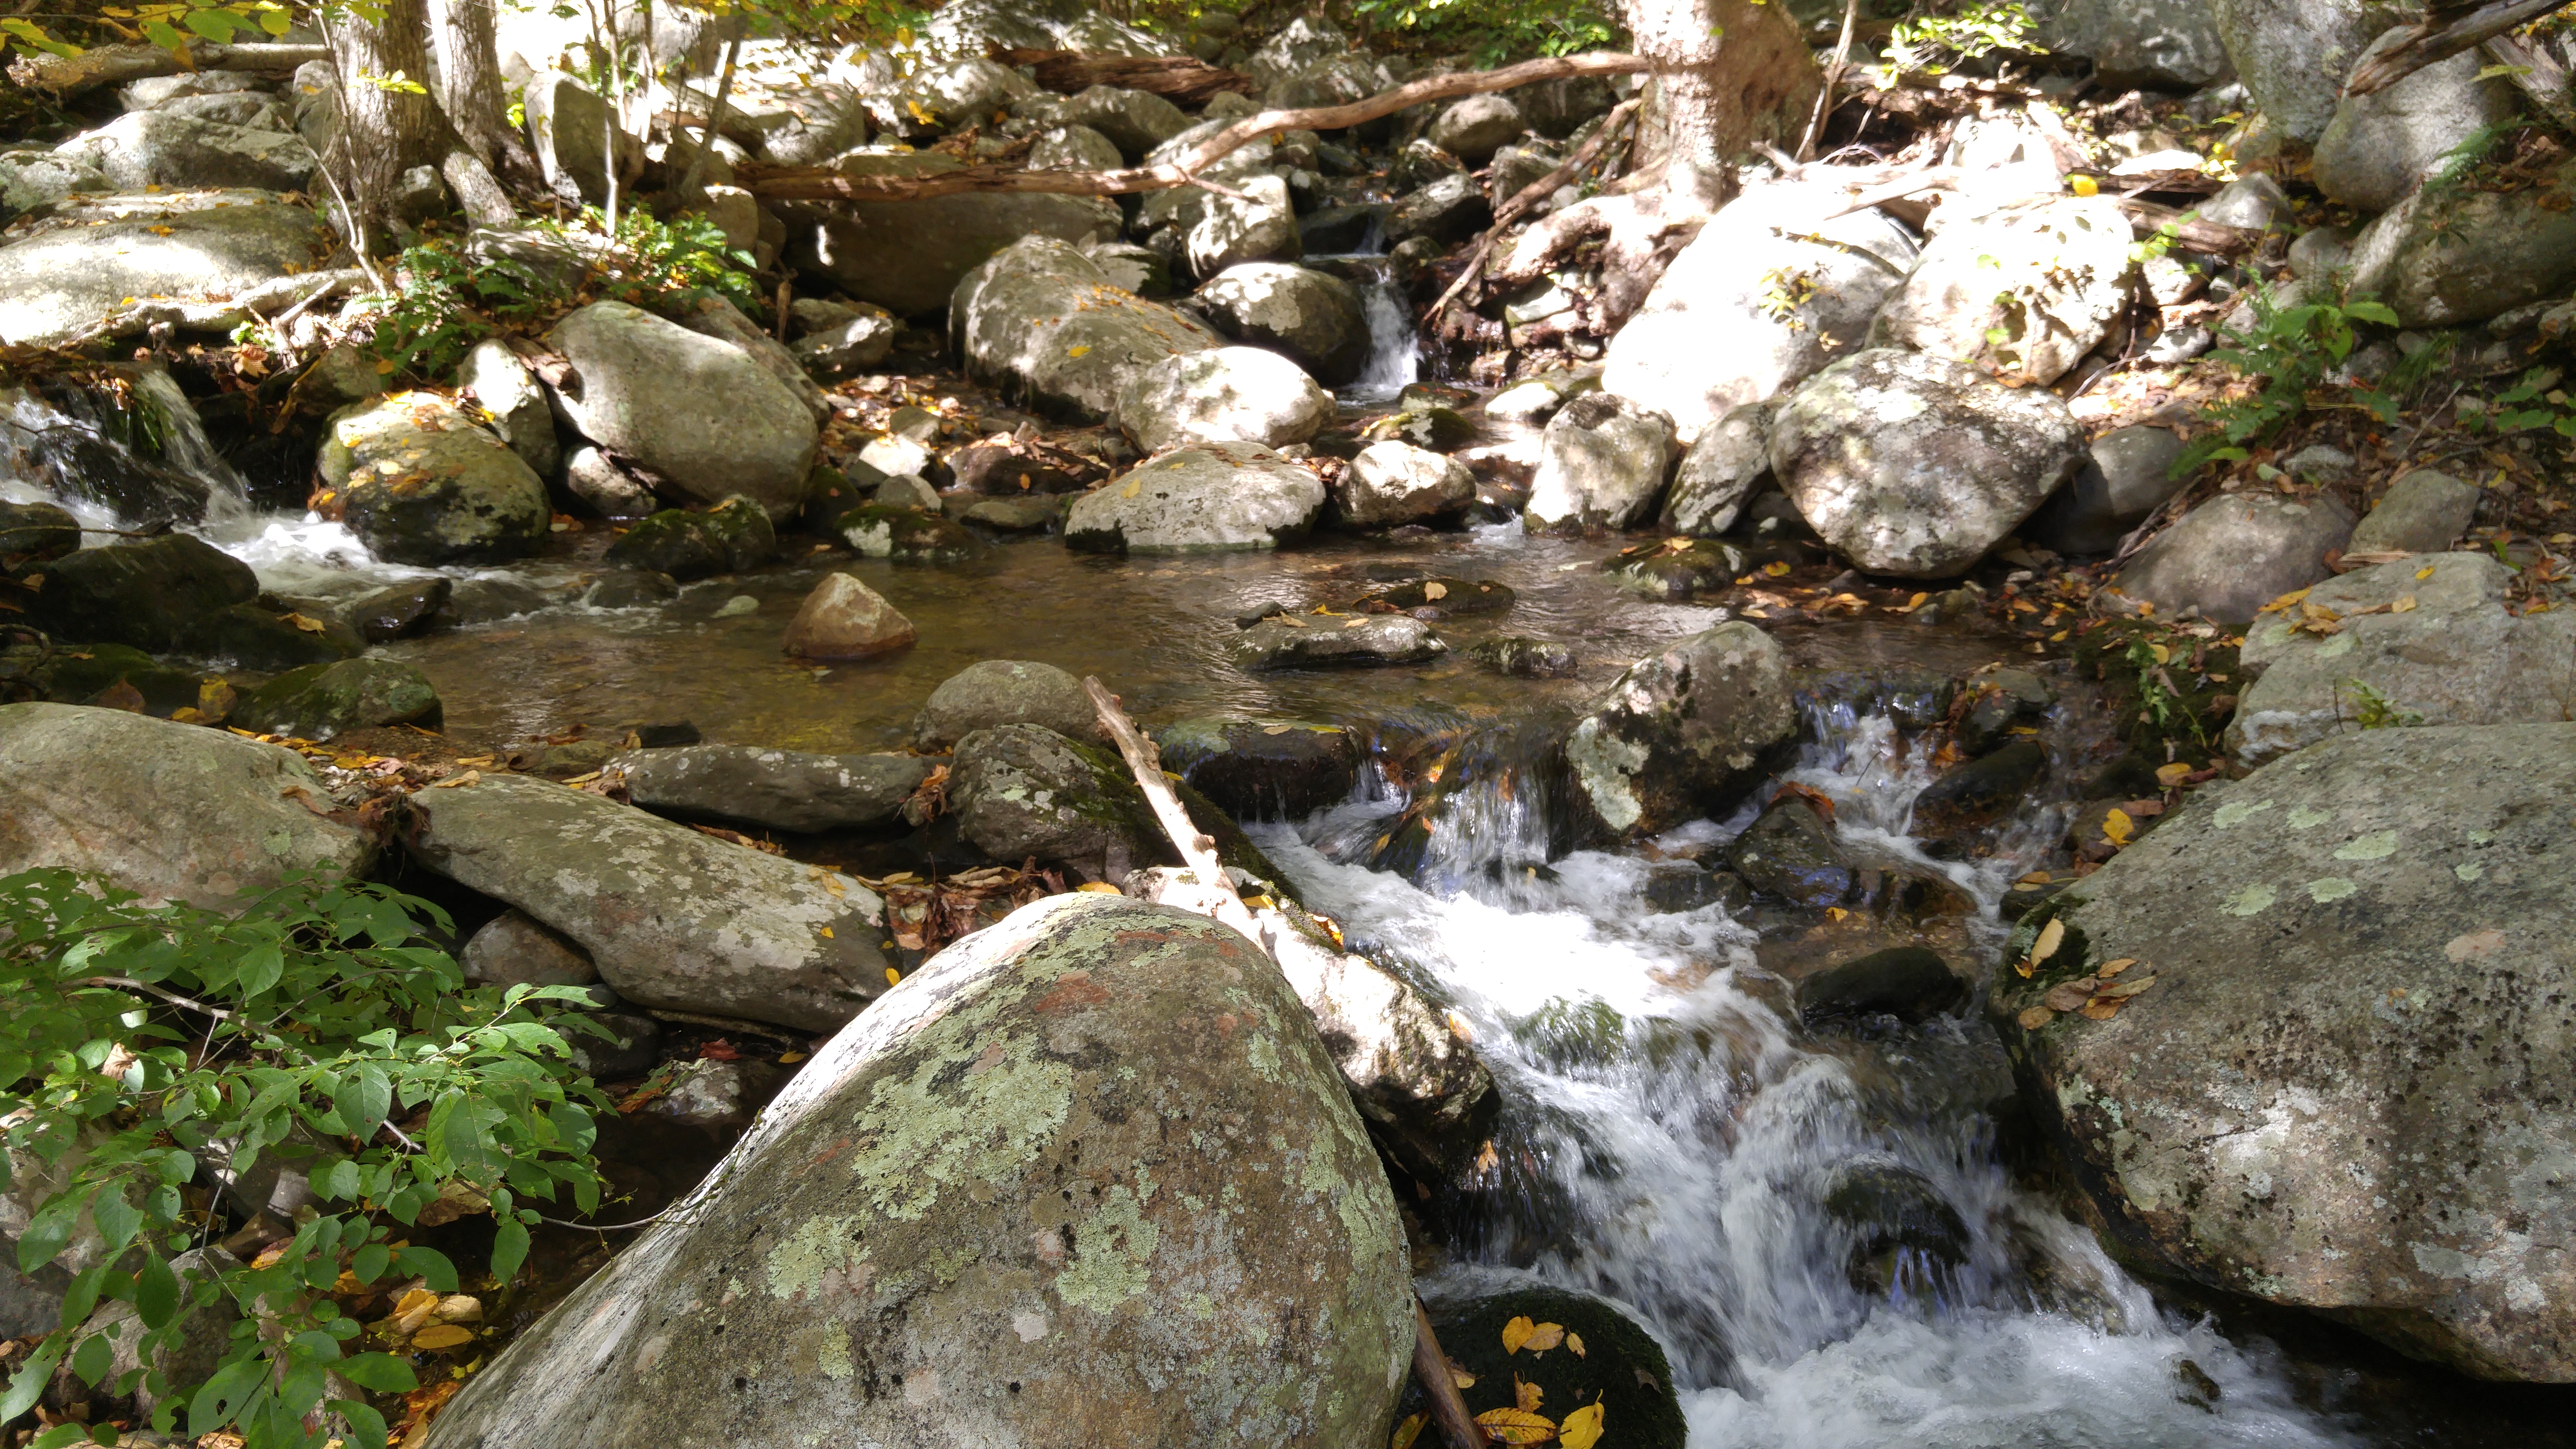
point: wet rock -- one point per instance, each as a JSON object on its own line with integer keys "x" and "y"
{"x": 612, "y": 492}
{"x": 489, "y": 600}
{"x": 2292, "y": 55}
{"x": 673, "y": 918}
{"x": 421, "y": 483}
{"x": 845, "y": 619}
{"x": 1674, "y": 889}
{"x": 1790, "y": 852}
{"x": 1012, "y": 515}
{"x": 719, "y": 1096}
{"x": 632, "y": 589}
{"x": 170, "y": 811}
{"x": 2354, "y": 940}
{"x": 1602, "y": 463}
{"x": 1981, "y": 792}
{"x": 1913, "y": 465}
{"x": 1422, "y": 424}
{"x": 999, "y": 692}
{"x": 1449, "y": 596}
{"x": 2457, "y": 656}
{"x": 1048, "y": 318}
{"x": 1020, "y": 790}
{"x": 61, "y": 273}
{"x": 2423, "y": 512}
{"x": 1621, "y": 1367}
{"x": 1447, "y": 211}
{"x": 2380, "y": 145}
{"x": 755, "y": 788}
{"x": 1313, "y": 317}
{"x": 1215, "y": 497}
{"x": 850, "y": 347}
{"x": 516, "y": 949}
{"x": 141, "y": 150}
{"x": 1392, "y": 483}
{"x": 1522, "y": 658}
{"x": 2052, "y": 275}
{"x": 1728, "y": 464}
{"x": 731, "y": 538}
{"x": 2234, "y": 554}
{"x": 2000, "y": 701}
{"x": 906, "y": 535}
{"x": 1910, "y": 983}
{"x": 251, "y": 637}
{"x": 397, "y": 609}
{"x": 34, "y": 532}
{"x": 1475, "y": 128}
{"x": 1335, "y": 230}
{"x": 699, "y": 413}
{"x": 1373, "y": 639}
{"x": 152, "y": 594}
{"x": 82, "y": 675}
{"x": 2128, "y": 478}
{"x": 1262, "y": 768}
{"x": 320, "y": 701}
{"x": 1676, "y": 568}
{"x": 1683, "y": 732}
{"x": 1011, "y": 468}
{"x": 1224, "y": 395}
{"x": 1900, "y": 1227}
{"x": 1772, "y": 290}
{"x": 2167, "y": 45}
{"x": 1092, "y": 1013}
{"x": 2447, "y": 257}
{"x": 628, "y": 1044}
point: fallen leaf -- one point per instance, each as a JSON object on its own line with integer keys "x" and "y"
{"x": 2069, "y": 995}
{"x": 789, "y": 1059}
{"x": 2035, "y": 1018}
{"x": 2292, "y": 597}
{"x": 1099, "y": 887}
{"x": 2118, "y": 829}
{"x": 2171, "y": 776}
{"x": 1775, "y": 570}
{"x": 1435, "y": 590}
{"x": 1545, "y": 1337}
{"x": 893, "y": 977}
{"x": 2404, "y": 605}
{"x": 445, "y": 1335}
{"x": 1406, "y": 1432}
{"x": 1516, "y": 1426}
{"x": 2103, "y": 1008}
{"x": 1582, "y": 1428}
{"x": 2050, "y": 936}
{"x": 2114, "y": 968}
{"x": 2425, "y": 572}
{"x": 826, "y": 933}
{"x": 1528, "y": 1395}
{"x": 1516, "y": 1333}
{"x": 305, "y": 622}
{"x": 2122, "y": 991}
{"x": 1460, "y": 1377}
{"x": 2084, "y": 185}
{"x": 1574, "y": 1341}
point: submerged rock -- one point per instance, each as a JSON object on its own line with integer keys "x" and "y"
{"x": 999, "y": 692}
{"x": 1971, "y": 796}
{"x": 905, "y": 534}
{"x": 733, "y": 537}
{"x": 169, "y": 811}
{"x": 675, "y": 919}
{"x": 771, "y": 789}
{"x": 1910, "y": 983}
{"x": 1299, "y": 642}
{"x": 320, "y": 701}
{"x": 1897, "y": 1225}
{"x": 2341, "y": 1079}
{"x": 1621, "y": 1368}
{"x": 1269, "y": 769}
{"x": 1683, "y": 732}
{"x": 1790, "y": 852}
{"x": 1036, "y": 1163}
{"x": 1212, "y": 498}
{"x": 1525, "y": 658}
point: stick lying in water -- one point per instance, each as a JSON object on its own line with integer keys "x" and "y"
{"x": 1198, "y": 852}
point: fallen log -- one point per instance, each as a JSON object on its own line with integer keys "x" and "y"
{"x": 819, "y": 183}
{"x": 1525, "y": 198}
{"x": 1177, "y": 78}
{"x": 114, "y": 65}
{"x": 2448, "y": 27}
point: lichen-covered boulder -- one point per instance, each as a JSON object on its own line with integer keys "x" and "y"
{"x": 423, "y": 483}
{"x": 1213, "y": 498}
{"x": 170, "y": 811}
{"x": 2026, "y": 289}
{"x": 2450, "y": 256}
{"x": 676, "y": 919}
{"x": 1394, "y": 483}
{"x": 771, "y": 789}
{"x": 1021, "y": 790}
{"x": 1046, "y": 319}
{"x": 999, "y": 692}
{"x": 1683, "y": 732}
{"x": 733, "y": 537}
{"x": 1602, "y": 464}
{"x": 700, "y": 412}
{"x": 1087, "y": 1177}
{"x": 319, "y": 701}
{"x": 1223, "y": 395}
{"x": 1314, "y": 317}
{"x": 2339, "y": 1073}
{"x": 65, "y": 269}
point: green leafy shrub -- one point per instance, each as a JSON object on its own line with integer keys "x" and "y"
{"x": 143, "y": 1045}
{"x": 1934, "y": 44}
{"x": 1496, "y": 30}
{"x": 2293, "y": 350}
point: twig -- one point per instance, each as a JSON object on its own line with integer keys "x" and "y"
{"x": 1198, "y": 852}
{"x": 148, "y": 989}
{"x": 1431, "y": 1367}
{"x": 715, "y": 117}
{"x": 611, "y": 1227}
{"x": 1833, "y": 78}
{"x": 1522, "y": 200}
{"x": 2439, "y": 37}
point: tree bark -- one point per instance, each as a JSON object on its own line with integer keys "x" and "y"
{"x": 470, "y": 89}
{"x": 386, "y": 128}
{"x": 110, "y": 65}
{"x": 1732, "y": 74}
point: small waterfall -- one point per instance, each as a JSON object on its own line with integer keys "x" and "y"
{"x": 1671, "y": 1135}
{"x": 119, "y": 447}
{"x": 1395, "y": 351}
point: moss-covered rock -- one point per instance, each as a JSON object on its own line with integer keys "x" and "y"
{"x": 1021, "y": 790}
{"x": 422, "y": 483}
{"x": 151, "y": 594}
{"x": 80, "y": 676}
{"x": 730, "y": 538}
{"x": 319, "y": 701}
{"x": 906, "y": 535}
{"x": 1263, "y": 767}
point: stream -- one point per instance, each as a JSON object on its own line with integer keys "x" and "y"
{"x": 1669, "y": 1132}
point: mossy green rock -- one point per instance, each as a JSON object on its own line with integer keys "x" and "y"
{"x": 1022, "y": 790}
{"x": 1620, "y": 1368}
{"x": 78, "y": 676}
{"x": 422, "y": 483}
{"x": 319, "y": 701}
{"x": 1087, "y": 1177}
{"x": 906, "y": 535}
{"x": 151, "y": 595}
{"x": 730, "y": 538}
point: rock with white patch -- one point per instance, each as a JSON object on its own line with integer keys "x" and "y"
{"x": 2025, "y": 289}
{"x": 2237, "y": 552}
{"x": 65, "y": 270}
{"x": 2346, "y": 1079}
{"x": 1393, "y": 483}
{"x": 1223, "y": 395}
{"x": 698, "y": 412}
{"x": 1096, "y": 1151}
{"x": 771, "y": 789}
{"x": 1212, "y": 498}
{"x": 422, "y": 483}
{"x": 1047, "y": 320}
{"x": 2380, "y": 145}
{"x": 676, "y": 919}
{"x": 1601, "y": 464}
{"x": 1683, "y": 733}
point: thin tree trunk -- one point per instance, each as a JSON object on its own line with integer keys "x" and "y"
{"x": 1732, "y": 73}
{"x": 387, "y": 126}
{"x": 688, "y": 192}
{"x": 470, "y": 89}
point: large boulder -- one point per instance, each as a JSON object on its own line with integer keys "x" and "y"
{"x": 1394, "y": 483}
{"x": 2293, "y": 55}
{"x": 1683, "y": 733}
{"x": 154, "y": 594}
{"x": 2335, "y": 1077}
{"x": 169, "y": 811}
{"x": 1047, "y": 320}
{"x": 2450, "y": 256}
{"x": 2423, "y": 512}
{"x": 1213, "y": 498}
{"x": 2129, "y": 477}
{"x": 1314, "y": 317}
{"x": 910, "y": 256}
{"x": 1096, "y": 1151}
{"x": 571, "y": 133}
{"x": 29, "y": 178}
{"x": 2157, "y": 44}
{"x": 1915, "y": 466}
{"x": 61, "y": 272}
{"x": 676, "y": 919}
{"x": 2346, "y": 657}
{"x": 1771, "y": 290}
{"x": 1601, "y": 464}
{"x": 1728, "y": 464}
{"x": 2380, "y": 145}
{"x": 1022, "y": 790}
{"x": 698, "y": 413}
{"x": 504, "y": 387}
{"x": 771, "y": 789}
{"x": 1222, "y": 395}
{"x": 2026, "y": 289}
{"x": 710, "y": 315}
{"x": 999, "y": 692}
{"x": 143, "y": 149}
{"x": 1134, "y": 121}
{"x": 1474, "y": 128}
{"x": 2236, "y": 553}
{"x": 421, "y": 483}
{"x": 1205, "y": 232}
{"x": 1271, "y": 769}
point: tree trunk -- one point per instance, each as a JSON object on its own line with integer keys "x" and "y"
{"x": 470, "y": 88}
{"x": 386, "y": 127}
{"x": 1731, "y": 74}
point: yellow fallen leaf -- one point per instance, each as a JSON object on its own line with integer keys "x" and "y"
{"x": 2114, "y": 968}
{"x": 2171, "y": 776}
{"x": 2288, "y": 599}
{"x": 2163, "y": 654}
{"x": 1516, "y": 1426}
{"x": 1406, "y": 1432}
{"x": 2404, "y": 605}
{"x": 1435, "y": 590}
{"x": 1545, "y": 1337}
{"x": 789, "y": 1059}
{"x": 2084, "y": 185}
{"x": 1529, "y": 1396}
{"x": 1099, "y": 887}
{"x": 2103, "y": 1008}
{"x": 1516, "y": 1333}
{"x": 1574, "y": 1341}
{"x": 1134, "y": 487}
{"x": 827, "y": 933}
{"x": 2117, "y": 828}
{"x": 2425, "y": 572}
{"x": 1582, "y": 1428}
{"x": 1775, "y": 570}
{"x": 2050, "y": 936}
{"x": 445, "y": 1335}
{"x": 893, "y": 977}
{"x": 1460, "y": 1377}
{"x": 1077, "y": 351}
{"x": 305, "y": 622}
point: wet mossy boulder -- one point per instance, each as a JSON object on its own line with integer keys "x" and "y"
{"x": 1264, "y": 768}
{"x": 1033, "y": 1197}
{"x": 1621, "y": 1369}
{"x": 320, "y": 701}
{"x": 82, "y": 675}
{"x": 733, "y": 537}
{"x": 1974, "y": 796}
{"x": 1910, "y": 983}
{"x": 1519, "y": 657}
{"x": 1899, "y": 1234}
{"x": 34, "y": 532}
{"x": 1683, "y": 732}
{"x": 906, "y": 535}
{"x": 1790, "y": 852}
{"x": 251, "y": 637}
{"x": 152, "y": 594}
{"x": 1676, "y": 568}
{"x": 1021, "y": 790}
{"x": 422, "y": 483}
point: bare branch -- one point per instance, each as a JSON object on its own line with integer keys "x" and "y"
{"x": 109, "y": 65}
{"x": 1527, "y": 197}
{"x": 2448, "y": 30}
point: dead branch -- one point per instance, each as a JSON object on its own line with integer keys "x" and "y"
{"x": 1179, "y": 78}
{"x": 111, "y": 65}
{"x": 2449, "y": 27}
{"x": 1198, "y": 852}
{"x": 1527, "y": 197}
{"x": 223, "y": 316}
{"x": 2191, "y": 233}
{"x": 1431, "y": 1369}
{"x": 824, "y": 184}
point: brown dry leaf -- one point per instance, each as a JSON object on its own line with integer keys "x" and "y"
{"x": 1528, "y": 1395}
{"x": 1545, "y": 1337}
{"x": 1516, "y": 1426}
{"x": 269, "y": 1255}
{"x": 120, "y": 695}
{"x": 2035, "y": 1018}
{"x": 2069, "y": 995}
{"x": 460, "y": 1308}
{"x": 1516, "y": 1333}
{"x": 414, "y": 1309}
{"x": 1582, "y": 1428}
{"x": 453, "y": 781}
{"x": 1406, "y": 1432}
{"x": 445, "y": 1335}
{"x": 1435, "y": 590}
{"x": 2102, "y": 1008}
{"x": 1574, "y": 1341}
{"x": 2114, "y": 968}
{"x": 2126, "y": 989}
{"x": 305, "y": 622}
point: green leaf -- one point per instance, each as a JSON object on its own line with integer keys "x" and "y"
{"x": 369, "y": 1263}
{"x": 50, "y": 1230}
{"x": 60, "y": 1435}
{"x": 341, "y": 1179}
{"x": 93, "y": 1359}
{"x": 82, "y": 1296}
{"x": 215, "y": 25}
{"x": 2371, "y": 312}
{"x": 160, "y": 34}
{"x": 381, "y": 1372}
{"x": 260, "y": 969}
{"x": 226, "y": 1394}
{"x": 275, "y": 22}
{"x": 31, "y": 1379}
{"x": 118, "y": 1220}
{"x": 431, "y": 1265}
{"x": 366, "y": 1426}
{"x": 156, "y": 1292}
{"x": 509, "y": 1248}
{"x": 363, "y": 1099}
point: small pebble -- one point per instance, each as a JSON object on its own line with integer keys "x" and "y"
{"x": 737, "y": 606}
